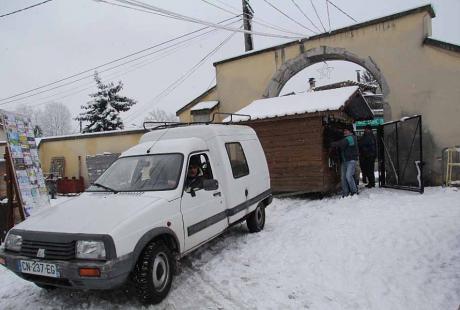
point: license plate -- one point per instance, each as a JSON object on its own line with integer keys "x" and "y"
{"x": 39, "y": 268}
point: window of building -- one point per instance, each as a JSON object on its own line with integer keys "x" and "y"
{"x": 201, "y": 117}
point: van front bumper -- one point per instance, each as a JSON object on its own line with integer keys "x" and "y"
{"x": 113, "y": 273}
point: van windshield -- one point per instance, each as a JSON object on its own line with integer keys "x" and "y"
{"x": 157, "y": 172}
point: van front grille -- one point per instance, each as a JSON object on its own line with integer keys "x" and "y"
{"x": 53, "y": 250}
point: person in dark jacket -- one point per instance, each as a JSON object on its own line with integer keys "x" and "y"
{"x": 348, "y": 147}
{"x": 367, "y": 155}
{"x": 194, "y": 178}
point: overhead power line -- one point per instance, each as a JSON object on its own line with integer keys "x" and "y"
{"x": 287, "y": 16}
{"x": 304, "y": 14}
{"x": 4, "y": 100}
{"x": 172, "y": 49}
{"x": 199, "y": 21}
{"x": 348, "y": 15}
{"x": 317, "y": 15}
{"x": 328, "y": 15}
{"x": 258, "y": 21}
{"x": 131, "y": 8}
{"x": 261, "y": 21}
{"x": 27, "y": 8}
{"x": 181, "y": 79}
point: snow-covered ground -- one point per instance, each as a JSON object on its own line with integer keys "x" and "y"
{"x": 384, "y": 249}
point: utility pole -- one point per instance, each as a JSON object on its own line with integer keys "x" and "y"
{"x": 358, "y": 76}
{"x": 248, "y": 13}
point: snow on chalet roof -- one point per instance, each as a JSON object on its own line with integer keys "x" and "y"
{"x": 205, "y": 105}
{"x": 325, "y": 100}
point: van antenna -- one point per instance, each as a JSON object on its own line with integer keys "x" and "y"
{"x": 155, "y": 142}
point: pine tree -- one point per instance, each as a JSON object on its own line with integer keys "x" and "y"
{"x": 102, "y": 113}
{"x": 368, "y": 78}
{"x": 38, "y": 132}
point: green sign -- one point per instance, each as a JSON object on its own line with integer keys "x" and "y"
{"x": 373, "y": 122}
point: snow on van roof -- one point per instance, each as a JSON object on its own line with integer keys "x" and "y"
{"x": 205, "y": 105}
{"x": 325, "y": 100}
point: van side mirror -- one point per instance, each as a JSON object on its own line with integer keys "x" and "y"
{"x": 210, "y": 185}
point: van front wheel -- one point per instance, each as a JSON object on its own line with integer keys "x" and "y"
{"x": 153, "y": 273}
{"x": 256, "y": 220}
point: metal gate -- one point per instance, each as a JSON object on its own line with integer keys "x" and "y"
{"x": 401, "y": 154}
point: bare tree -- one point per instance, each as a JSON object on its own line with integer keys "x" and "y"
{"x": 54, "y": 119}
{"x": 34, "y": 114}
{"x": 158, "y": 115}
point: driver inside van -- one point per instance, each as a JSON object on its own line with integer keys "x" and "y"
{"x": 194, "y": 175}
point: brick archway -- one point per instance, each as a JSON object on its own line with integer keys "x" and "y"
{"x": 319, "y": 54}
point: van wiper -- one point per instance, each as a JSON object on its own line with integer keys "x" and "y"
{"x": 105, "y": 187}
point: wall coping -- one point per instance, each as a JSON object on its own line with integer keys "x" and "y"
{"x": 426, "y": 8}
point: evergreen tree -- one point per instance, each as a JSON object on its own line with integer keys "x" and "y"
{"x": 102, "y": 113}
{"x": 38, "y": 132}
{"x": 368, "y": 78}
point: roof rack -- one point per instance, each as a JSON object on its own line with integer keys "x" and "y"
{"x": 164, "y": 125}
{"x": 231, "y": 116}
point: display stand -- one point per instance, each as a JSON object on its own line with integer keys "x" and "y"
{"x": 14, "y": 211}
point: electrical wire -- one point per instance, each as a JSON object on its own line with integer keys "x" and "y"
{"x": 113, "y": 75}
{"x": 131, "y": 8}
{"x": 287, "y": 16}
{"x": 181, "y": 79}
{"x": 259, "y": 20}
{"x": 328, "y": 16}
{"x": 178, "y": 16}
{"x": 135, "y": 67}
{"x": 304, "y": 14}
{"x": 97, "y": 67}
{"x": 317, "y": 15}
{"x": 29, "y": 7}
{"x": 174, "y": 84}
{"x": 348, "y": 15}
{"x": 254, "y": 20}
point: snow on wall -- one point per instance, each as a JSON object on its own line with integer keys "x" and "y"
{"x": 325, "y": 100}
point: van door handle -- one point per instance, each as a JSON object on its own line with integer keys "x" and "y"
{"x": 216, "y": 194}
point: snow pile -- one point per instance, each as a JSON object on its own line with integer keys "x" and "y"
{"x": 332, "y": 99}
{"x": 205, "y": 105}
{"x": 383, "y": 249}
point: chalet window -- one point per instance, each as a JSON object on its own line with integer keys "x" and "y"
{"x": 237, "y": 160}
{"x": 201, "y": 117}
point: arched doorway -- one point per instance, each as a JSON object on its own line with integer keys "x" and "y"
{"x": 324, "y": 53}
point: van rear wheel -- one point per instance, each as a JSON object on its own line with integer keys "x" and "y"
{"x": 153, "y": 273}
{"x": 256, "y": 220}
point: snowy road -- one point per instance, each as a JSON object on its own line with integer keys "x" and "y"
{"x": 385, "y": 249}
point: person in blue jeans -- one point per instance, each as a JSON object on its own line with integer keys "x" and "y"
{"x": 348, "y": 147}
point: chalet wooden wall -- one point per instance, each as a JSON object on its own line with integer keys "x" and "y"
{"x": 297, "y": 159}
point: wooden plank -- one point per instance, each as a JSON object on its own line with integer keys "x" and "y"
{"x": 295, "y": 154}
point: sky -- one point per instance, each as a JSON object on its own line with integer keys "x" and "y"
{"x": 64, "y": 37}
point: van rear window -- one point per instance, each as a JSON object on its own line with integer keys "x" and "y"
{"x": 237, "y": 159}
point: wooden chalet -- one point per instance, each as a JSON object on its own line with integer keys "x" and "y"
{"x": 295, "y": 132}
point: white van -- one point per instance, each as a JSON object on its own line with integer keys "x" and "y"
{"x": 180, "y": 187}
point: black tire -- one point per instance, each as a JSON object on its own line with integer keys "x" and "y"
{"x": 256, "y": 220}
{"x": 45, "y": 286}
{"x": 153, "y": 273}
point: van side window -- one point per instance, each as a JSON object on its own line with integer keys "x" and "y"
{"x": 199, "y": 169}
{"x": 237, "y": 159}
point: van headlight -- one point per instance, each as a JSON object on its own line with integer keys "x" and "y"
{"x": 13, "y": 243}
{"x": 90, "y": 249}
